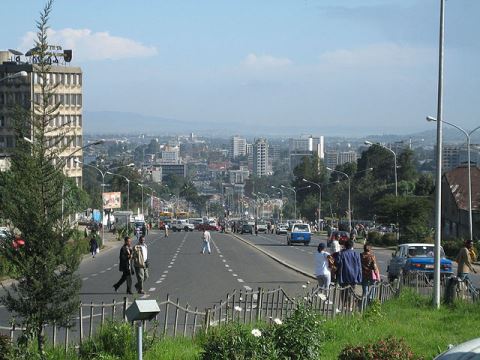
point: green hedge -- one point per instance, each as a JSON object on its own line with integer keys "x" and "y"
{"x": 377, "y": 239}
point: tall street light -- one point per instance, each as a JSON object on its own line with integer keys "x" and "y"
{"x": 438, "y": 177}
{"x": 468, "y": 136}
{"x": 319, "y": 198}
{"x": 295, "y": 192}
{"x": 15, "y": 75}
{"x": 369, "y": 143}
{"x": 349, "y": 196}
{"x": 103, "y": 190}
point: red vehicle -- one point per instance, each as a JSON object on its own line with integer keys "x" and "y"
{"x": 209, "y": 227}
{"x": 341, "y": 236}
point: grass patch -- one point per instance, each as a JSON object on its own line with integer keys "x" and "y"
{"x": 411, "y": 317}
{"x": 173, "y": 349}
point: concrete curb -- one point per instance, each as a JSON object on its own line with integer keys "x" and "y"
{"x": 275, "y": 258}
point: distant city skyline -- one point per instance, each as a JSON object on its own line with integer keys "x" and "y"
{"x": 331, "y": 67}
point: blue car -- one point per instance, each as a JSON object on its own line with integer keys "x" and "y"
{"x": 299, "y": 233}
{"x": 416, "y": 257}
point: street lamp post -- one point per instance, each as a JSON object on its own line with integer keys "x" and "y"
{"x": 349, "y": 196}
{"x": 319, "y": 199}
{"x": 369, "y": 143}
{"x": 15, "y": 75}
{"x": 281, "y": 209}
{"x": 103, "y": 190}
{"x": 468, "y": 135}
{"x": 295, "y": 192}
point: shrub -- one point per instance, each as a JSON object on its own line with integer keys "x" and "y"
{"x": 300, "y": 336}
{"x": 389, "y": 239}
{"x": 114, "y": 340}
{"x": 374, "y": 238}
{"x": 5, "y": 347}
{"x": 386, "y": 349}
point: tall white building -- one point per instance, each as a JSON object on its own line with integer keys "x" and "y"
{"x": 260, "y": 158}
{"x": 67, "y": 94}
{"x": 334, "y": 158}
{"x": 238, "y": 147}
{"x": 307, "y": 144}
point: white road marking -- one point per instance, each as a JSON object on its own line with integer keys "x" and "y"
{"x": 240, "y": 280}
{"x": 94, "y": 275}
{"x": 248, "y": 288}
{"x": 227, "y": 266}
{"x": 115, "y": 264}
{"x": 158, "y": 281}
{"x": 165, "y": 272}
{"x": 101, "y": 272}
{"x": 230, "y": 270}
{"x": 109, "y": 269}
{"x": 224, "y": 260}
{"x": 85, "y": 278}
{"x": 235, "y": 275}
{"x": 152, "y": 289}
{"x": 169, "y": 266}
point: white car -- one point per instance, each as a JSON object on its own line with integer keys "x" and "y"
{"x": 182, "y": 224}
{"x": 281, "y": 229}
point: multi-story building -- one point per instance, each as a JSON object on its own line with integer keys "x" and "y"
{"x": 238, "y": 176}
{"x": 25, "y": 91}
{"x": 456, "y": 155}
{"x": 260, "y": 158}
{"x": 238, "y": 147}
{"x": 307, "y": 144}
{"x": 334, "y": 158}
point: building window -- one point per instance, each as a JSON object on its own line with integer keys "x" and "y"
{"x": 2, "y": 121}
{"x": 10, "y": 141}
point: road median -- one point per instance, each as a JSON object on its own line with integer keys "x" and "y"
{"x": 274, "y": 257}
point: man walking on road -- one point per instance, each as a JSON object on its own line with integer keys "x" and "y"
{"x": 166, "y": 230}
{"x": 125, "y": 265}
{"x": 140, "y": 262}
{"x": 206, "y": 237}
{"x": 349, "y": 266}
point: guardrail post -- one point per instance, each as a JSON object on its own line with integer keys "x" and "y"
{"x": 335, "y": 303}
{"x": 81, "y": 323}
{"x": 207, "y": 320}
{"x": 259, "y": 304}
{"x": 125, "y": 306}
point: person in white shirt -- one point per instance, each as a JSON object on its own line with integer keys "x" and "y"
{"x": 140, "y": 262}
{"x": 335, "y": 246}
{"x": 206, "y": 237}
{"x": 322, "y": 271}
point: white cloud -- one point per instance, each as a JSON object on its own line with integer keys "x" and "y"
{"x": 265, "y": 61}
{"x": 88, "y": 45}
{"x": 379, "y": 55}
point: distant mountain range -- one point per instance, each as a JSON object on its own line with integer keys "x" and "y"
{"x": 121, "y": 123}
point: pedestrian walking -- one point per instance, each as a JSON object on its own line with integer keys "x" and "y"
{"x": 93, "y": 246}
{"x": 140, "y": 262}
{"x": 349, "y": 272}
{"x": 465, "y": 258}
{"x": 125, "y": 265}
{"x": 166, "y": 230}
{"x": 206, "y": 237}
{"x": 353, "y": 234}
{"x": 322, "y": 269}
{"x": 370, "y": 271}
{"x": 256, "y": 228}
{"x": 335, "y": 246}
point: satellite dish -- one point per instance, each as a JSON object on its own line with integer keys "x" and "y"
{"x": 15, "y": 52}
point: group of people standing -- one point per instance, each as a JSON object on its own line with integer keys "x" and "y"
{"x": 346, "y": 266}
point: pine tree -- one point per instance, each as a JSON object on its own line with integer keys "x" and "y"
{"x": 46, "y": 288}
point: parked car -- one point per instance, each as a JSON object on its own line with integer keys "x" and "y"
{"x": 341, "y": 236}
{"x": 468, "y": 350}
{"x": 281, "y": 229}
{"x": 416, "y": 257}
{"x": 299, "y": 233}
{"x": 182, "y": 224}
{"x": 247, "y": 229}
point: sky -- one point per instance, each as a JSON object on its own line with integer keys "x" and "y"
{"x": 329, "y": 67}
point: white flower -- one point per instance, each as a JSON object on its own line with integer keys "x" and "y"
{"x": 256, "y": 333}
{"x": 278, "y": 321}
{"x": 308, "y": 282}
{"x": 305, "y": 298}
{"x": 238, "y": 308}
{"x": 304, "y": 286}
{"x": 240, "y": 299}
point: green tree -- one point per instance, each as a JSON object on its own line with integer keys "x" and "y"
{"x": 46, "y": 287}
{"x": 424, "y": 185}
{"x": 407, "y": 168}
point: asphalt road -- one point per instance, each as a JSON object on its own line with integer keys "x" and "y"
{"x": 302, "y": 257}
{"x": 179, "y": 269}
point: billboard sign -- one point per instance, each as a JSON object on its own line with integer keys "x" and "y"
{"x": 112, "y": 200}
